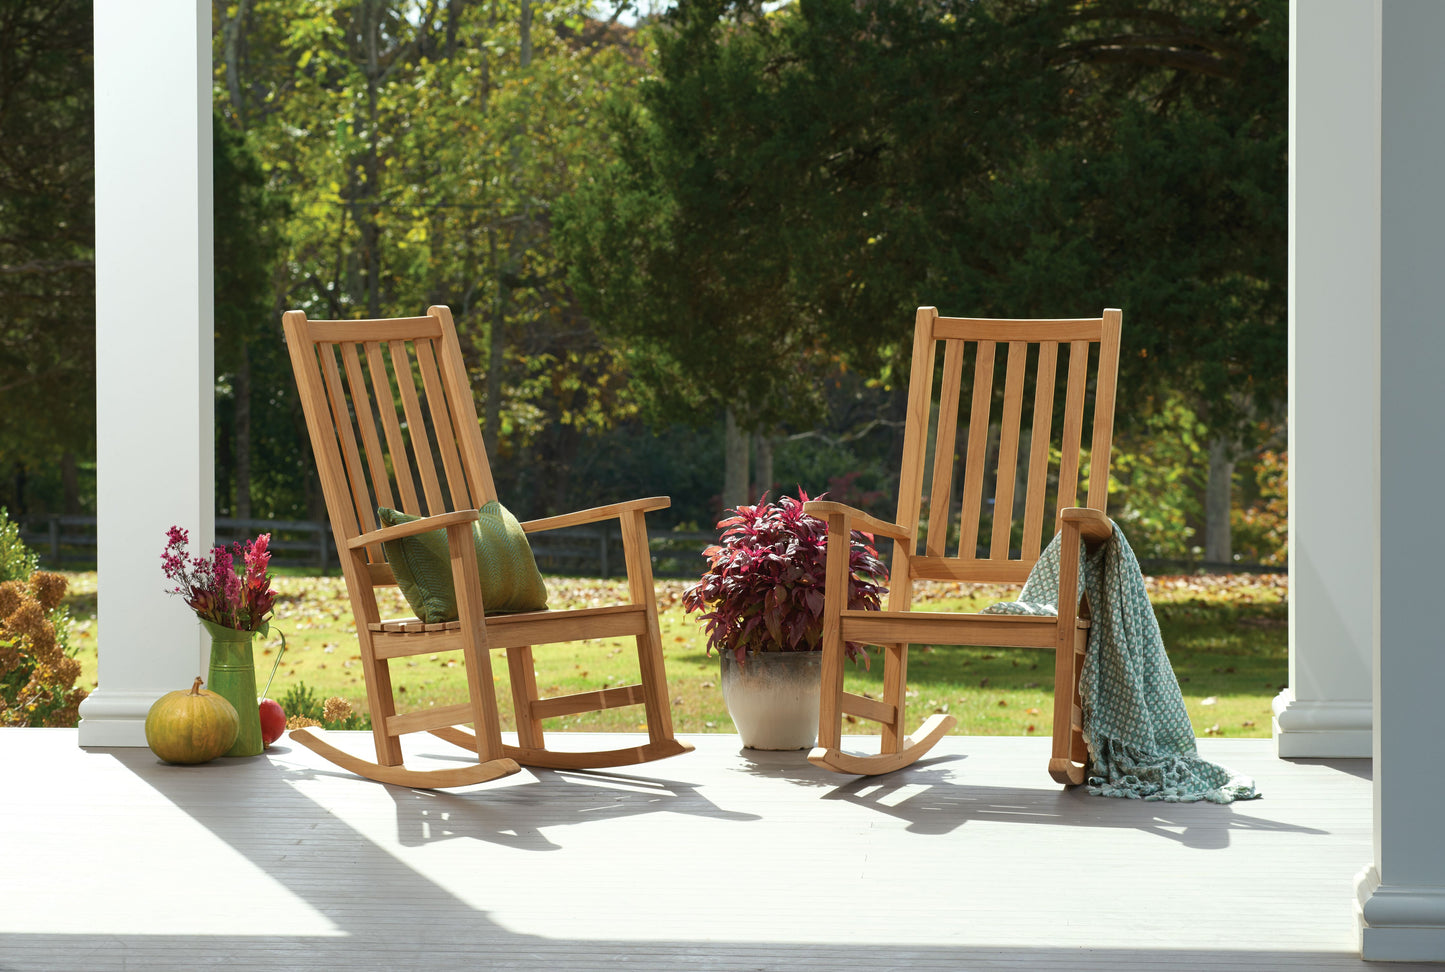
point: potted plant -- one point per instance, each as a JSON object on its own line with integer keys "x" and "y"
{"x": 761, "y": 597}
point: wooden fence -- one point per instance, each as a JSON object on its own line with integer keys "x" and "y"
{"x": 587, "y": 551}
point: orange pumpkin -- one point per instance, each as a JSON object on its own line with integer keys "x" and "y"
{"x": 191, "y": 727}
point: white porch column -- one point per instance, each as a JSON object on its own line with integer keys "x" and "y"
{"x": 1334, "y": 261}
{"x": 1402, "y": 894}
{"x": 154, "y": 364}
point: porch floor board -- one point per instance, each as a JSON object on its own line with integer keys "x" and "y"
{"x": 722, "y": 859}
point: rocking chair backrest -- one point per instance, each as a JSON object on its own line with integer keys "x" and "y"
{"x": 391, "y": 419}
{"x": 1009, "y": 445}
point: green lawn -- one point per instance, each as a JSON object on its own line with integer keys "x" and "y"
{"x": 1227, "y": 637}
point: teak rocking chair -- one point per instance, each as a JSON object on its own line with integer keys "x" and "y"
{"x": 393, "y": 424}
{"x": 991, "y": 456}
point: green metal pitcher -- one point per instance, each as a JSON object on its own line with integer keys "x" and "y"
{"x": 233, "y": 676}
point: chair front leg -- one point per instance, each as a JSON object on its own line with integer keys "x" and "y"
{"x": 835, "y": 600}
{"x": 656, "y": 699}
{"x": 471, "y": 614}
{"x": 1063, "y": 764}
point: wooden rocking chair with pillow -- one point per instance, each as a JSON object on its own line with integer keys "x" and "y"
{"x": 1088, "y": 353}
{"x": 412, "y": 503}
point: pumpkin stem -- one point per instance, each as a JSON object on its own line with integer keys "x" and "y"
{"x": 196, "y": 688}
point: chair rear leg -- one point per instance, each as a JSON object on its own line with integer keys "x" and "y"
{"x": 523, "y": 674}
{"x": 895, "y": 693}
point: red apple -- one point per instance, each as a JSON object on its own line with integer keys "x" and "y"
{"x": 273, "y": 721}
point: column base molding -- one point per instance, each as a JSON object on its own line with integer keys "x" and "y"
{"x": 1397, "y": 923}
{"x": 1336, "y": 729}
{"x": 115, "y": 718}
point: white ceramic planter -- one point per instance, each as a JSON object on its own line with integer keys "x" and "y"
{"x": 773, "y": 698}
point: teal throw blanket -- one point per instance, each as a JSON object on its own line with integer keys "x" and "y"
{"x": 1141, "y": 743}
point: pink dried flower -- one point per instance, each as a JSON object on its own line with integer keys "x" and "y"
{"x": 211, "y": 585}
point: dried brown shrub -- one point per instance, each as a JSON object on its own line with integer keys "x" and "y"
{"x": 37, "y": 677}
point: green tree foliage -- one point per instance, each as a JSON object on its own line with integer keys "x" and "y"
{"x": 47, "y": 246}
{"x": 791, "y": 184}
{"x": 421, "y": 147}
{"x": 1164, "y": 194}
{"x": 761, "y": 221}
{"x": 258, "y": 424}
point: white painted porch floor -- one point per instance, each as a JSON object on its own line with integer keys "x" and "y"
{"x": 722, "y": 859}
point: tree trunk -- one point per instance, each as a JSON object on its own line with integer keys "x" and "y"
{"x": 69, "y": 484}
{"x": 524, "y": 30}
{"x": 735, "y": 464}
{"x": 506, "y": 273}
{"x": 242, "y": 433}
{"x": 492, "y": 413}
{"x": 763, "y": 458}
{"x": 1217, "y": 502}
{"x": 368, "y": 210}
{"x": 231, "y": 29}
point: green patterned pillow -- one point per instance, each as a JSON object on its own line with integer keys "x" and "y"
{"x": 423, "y": 567}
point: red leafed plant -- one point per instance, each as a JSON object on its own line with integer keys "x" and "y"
{"x": 763, "y": 587}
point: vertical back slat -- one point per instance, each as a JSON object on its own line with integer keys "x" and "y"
{"x": 361, "y": 407}
{"x": 1073, "y": 425}
{"x": 1008, "y": 451}
{"x": 915, "y": 447}
{"x": 978, "y": 422}
{"x": 305, "y": 361}
{"x": 441, "y": 416}
{"x": 395, "y": 443}
{"x": 416, "y": 424}
{"x": 464, "y": 410}
{"x": 350, "y": 455}
{"x": 1104, "y": 412}
{"x": 940, "y": 497}
{"x": 1039, "y": 449}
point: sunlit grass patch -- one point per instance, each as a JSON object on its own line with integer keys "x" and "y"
{"x": 1227, "y": 638}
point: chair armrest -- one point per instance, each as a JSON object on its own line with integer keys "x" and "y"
{"x": 426, "y": 524}
{"x": 1092, "y": 524}
{"x": 857, "y": 519}
{"x": 598, "y": 513}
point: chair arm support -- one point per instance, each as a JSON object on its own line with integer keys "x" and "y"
{"x": 856, "y": 519}
{"x": 1093, "y": 526}
{"x": 424, "y": 525}
{"x": 597, "y": 513}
